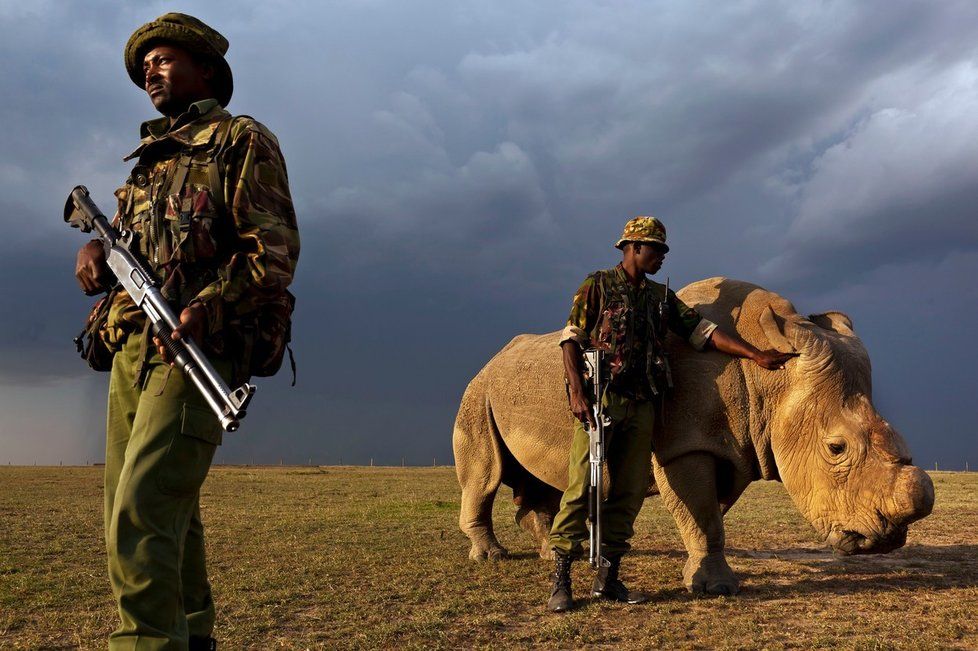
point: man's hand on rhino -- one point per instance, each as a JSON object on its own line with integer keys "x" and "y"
{"x": 733, "y": 344}
{"x": 90, "y": 269}
{"x": 581, "y": 408}
{"x": 772, "y": 360}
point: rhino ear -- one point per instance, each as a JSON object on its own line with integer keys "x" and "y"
{"x": 774, "y": 328}
{"x": 836, "y": 321}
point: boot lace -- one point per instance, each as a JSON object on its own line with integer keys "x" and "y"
{"x": 562, "y": 578}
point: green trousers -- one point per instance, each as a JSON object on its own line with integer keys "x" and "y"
{"x": 160, "y": 440}
{"x": 628, "y": 451}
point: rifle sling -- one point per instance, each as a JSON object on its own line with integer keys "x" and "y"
{"x": 221, "y": 135}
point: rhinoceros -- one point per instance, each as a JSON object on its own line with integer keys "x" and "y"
{"x": 727, "y": 423}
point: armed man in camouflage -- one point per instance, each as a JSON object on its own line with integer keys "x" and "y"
{"x": 209, "y": 200}
{"x": 616, "y": 310}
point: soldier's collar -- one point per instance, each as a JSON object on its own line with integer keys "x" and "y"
{"x": 623, "y": 277}
{"x": 195, "y": 127}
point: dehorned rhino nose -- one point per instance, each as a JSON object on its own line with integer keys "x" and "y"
{"x": 913, "y": 496}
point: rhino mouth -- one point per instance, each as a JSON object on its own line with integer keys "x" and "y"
{"x": 847, "y": 543}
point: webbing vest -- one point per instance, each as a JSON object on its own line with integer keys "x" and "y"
{"x": 617, "y": 327}
{"x": 178, "y": 207}
{"x": 175, "y": 202}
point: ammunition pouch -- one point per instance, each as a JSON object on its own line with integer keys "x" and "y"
{"x": 259, "y": 338}
{"x": 90, "y": 342}
{"x": 273, "y": 333}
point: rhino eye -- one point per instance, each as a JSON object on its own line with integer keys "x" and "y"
{"x": 837, "y": 448}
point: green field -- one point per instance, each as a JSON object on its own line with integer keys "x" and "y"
{"x": 342, "y": 557}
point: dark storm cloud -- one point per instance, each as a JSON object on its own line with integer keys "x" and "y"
{"x": 38, "y": 330}
{"x": 899, "y": 186}
{"x": 457, "y": 168}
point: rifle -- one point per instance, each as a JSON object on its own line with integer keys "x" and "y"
{"x": 662, "y": 358}
{"x": 144, "y": 289}
{"x": 593, "y": 362}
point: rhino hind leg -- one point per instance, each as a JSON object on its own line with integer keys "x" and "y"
{"x": 479, "y": 467}
{"x": 688, "y": 486}
{"x": 537, "y": 504}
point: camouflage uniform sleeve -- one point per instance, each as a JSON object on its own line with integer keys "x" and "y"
{"x": 688, "y": 323}
{"x": 583, "y": 314}
{"x": 256, "y": 192}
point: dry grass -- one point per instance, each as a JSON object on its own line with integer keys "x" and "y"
{"x": 372, "y": 558}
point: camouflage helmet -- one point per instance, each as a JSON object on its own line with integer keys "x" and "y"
{"x": 643, "y": 229}
{"x": 188, "y": 33}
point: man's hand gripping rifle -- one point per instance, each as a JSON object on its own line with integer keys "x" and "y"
{"x": 143, "y": 287}
{"x": 597, "y": 382}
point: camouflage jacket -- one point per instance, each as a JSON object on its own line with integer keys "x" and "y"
{"x": 612, "y": 314}
{"x": 225, "y": 235}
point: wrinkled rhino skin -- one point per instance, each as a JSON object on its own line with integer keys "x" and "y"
{"x": 727, "y": 423}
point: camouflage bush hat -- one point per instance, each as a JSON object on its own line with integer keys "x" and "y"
{"x": 186, "y": 32}
{"x": 643, "y": 229}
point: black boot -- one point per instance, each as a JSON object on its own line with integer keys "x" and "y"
{"x": 560, "y": 597}
{"x": 198, "y": 643}
{"x": 608, "y": 586}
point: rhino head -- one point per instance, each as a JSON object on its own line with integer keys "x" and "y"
{"x": 846, "y": 468}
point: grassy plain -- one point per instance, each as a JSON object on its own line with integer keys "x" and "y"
{"x": 340, "y": 557}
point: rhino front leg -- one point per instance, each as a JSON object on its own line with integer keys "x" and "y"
{"x": 689, "y": 491}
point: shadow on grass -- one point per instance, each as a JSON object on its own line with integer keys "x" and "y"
{"x": 521, "y": 556}
{"x": 938, "y": 567}
{"x": 784, "y": 553}
{"x": 635, "y": 553}
{"x": 656, "y": 597}
{"x": 664, "y": 553}
{"x": 905, "y": 556}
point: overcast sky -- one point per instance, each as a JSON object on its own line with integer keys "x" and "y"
{"x": 458, "y": 167}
